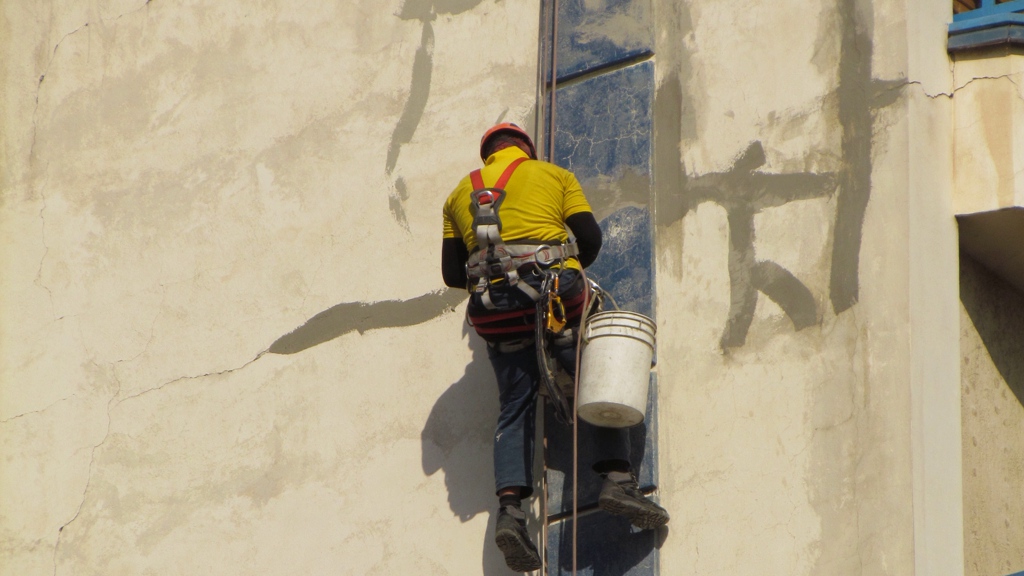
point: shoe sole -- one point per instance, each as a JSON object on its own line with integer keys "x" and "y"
{"x": 518, "y": 554}
{"x": 640, "y": 516}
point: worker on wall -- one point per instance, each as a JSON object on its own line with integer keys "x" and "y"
{"x": 505, "y": 241}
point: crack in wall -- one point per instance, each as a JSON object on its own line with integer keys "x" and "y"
{"x": 113, "y": 402}
{"x": 193, "y": 377}
{"x": 339, "y": 320}
{"x": 48, "y": 407}
{"x": 152, "y": 335}
{"x": 39, "y": 89}
{"x": 88, "y": 480}
{"x": 49, "y": 63}
{"x": 952, "y": 93}
{"x": 38, "y": 280}
{"x": 40, "y": 190}
{"x": 1008, "y": 76}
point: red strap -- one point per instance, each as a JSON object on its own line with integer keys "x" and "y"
{"x": 573, "y": 306}
{"x": 508, "y": 173}
{"x": 478, "y": 181}
{"x": 525, "y": 328}
{"x": 499, "y": 316}
{"x": 575, "y": 300}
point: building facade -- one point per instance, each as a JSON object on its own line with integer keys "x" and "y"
{"x": 225, "y": 345}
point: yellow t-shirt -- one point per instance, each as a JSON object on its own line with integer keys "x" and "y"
{"x": 539, "y": 197}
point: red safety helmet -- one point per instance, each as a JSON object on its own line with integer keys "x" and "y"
{"x": 511, "y": 128}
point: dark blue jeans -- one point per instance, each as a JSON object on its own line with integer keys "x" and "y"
{"x": 518, "y": 384}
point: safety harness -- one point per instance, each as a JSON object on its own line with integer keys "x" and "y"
{"x": 495, "y": 260}
{"x": 496, "y": 263}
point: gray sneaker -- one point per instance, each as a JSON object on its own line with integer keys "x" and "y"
{"x": 621, "y": 495}
{"x": 514, "y": 542}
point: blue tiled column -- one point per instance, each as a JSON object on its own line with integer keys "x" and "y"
{"x": 603, "y": 132}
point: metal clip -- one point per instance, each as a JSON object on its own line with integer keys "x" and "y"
{"x": 547, "y": 259}
{"x": 488, "y": 194}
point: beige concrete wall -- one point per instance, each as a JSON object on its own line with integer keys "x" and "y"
{"x": 807, "y": 289}
{"x": 992, "y": 373}
{"x": 988, "y": 117}
{"x": 988, "y": 145}
{"x": 224, "y": 345}
{"x": 988, "y": 108}
{"x": 224, "y": 348}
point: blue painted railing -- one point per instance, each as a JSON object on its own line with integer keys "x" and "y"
{"x": 989, "y": 7}
{"x": 989, "y": 24}
{"x": 989, "y": 12}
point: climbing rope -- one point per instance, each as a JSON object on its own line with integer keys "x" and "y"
{"x": 554, "y": 79}
{"x": 586, "y": 290}
{"x": 575, "y": 418}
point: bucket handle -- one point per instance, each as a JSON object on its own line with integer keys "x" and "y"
{"x": 587, "y": 338}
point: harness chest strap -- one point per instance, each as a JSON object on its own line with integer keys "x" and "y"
{"x": 486, "y": 201}
{"x": 478, "y": 181}
{"x": 493, "y": 257}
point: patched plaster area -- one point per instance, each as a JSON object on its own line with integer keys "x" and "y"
{"x": 195, "y": 313}
{"x": 988, "y": 112}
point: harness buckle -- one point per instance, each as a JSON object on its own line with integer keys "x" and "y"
{"x": 495, "y": 269}
{"x": 485, "y": 197}
{"x": 543, "y": 255}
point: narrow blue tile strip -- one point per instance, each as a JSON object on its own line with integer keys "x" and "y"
{"x": 625, "y": 266}
{"x": 607, "y": 545}
{"x": 559, "y": 460}
{"x": 604, "y": 129}
{"x": 604, "y": 123}
{"x": 603, "y": 133}
{"x": 607, "y": 67}
{"x": 591, "y": 36}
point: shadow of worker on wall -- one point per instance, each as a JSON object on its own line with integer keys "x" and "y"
{"x": 457, "y": 438}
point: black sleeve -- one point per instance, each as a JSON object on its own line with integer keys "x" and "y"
{"x": 454, "y": 255}
{"x": 588, "y": 235}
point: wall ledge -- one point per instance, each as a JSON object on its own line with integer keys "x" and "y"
{"x": 996, "y": 240}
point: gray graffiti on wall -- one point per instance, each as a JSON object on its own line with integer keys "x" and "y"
{"x": 743, "y": 191}
{"x": 419, "y": 90}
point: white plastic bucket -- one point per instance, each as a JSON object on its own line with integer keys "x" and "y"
{"x": 615, "y": 368}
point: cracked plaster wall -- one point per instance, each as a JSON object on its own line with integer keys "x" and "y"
{"x": 214, "y": 218}
{"x": 988, "y": 109}
{"x": 806, "y": 288}
{"x": 186, "y": 185}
